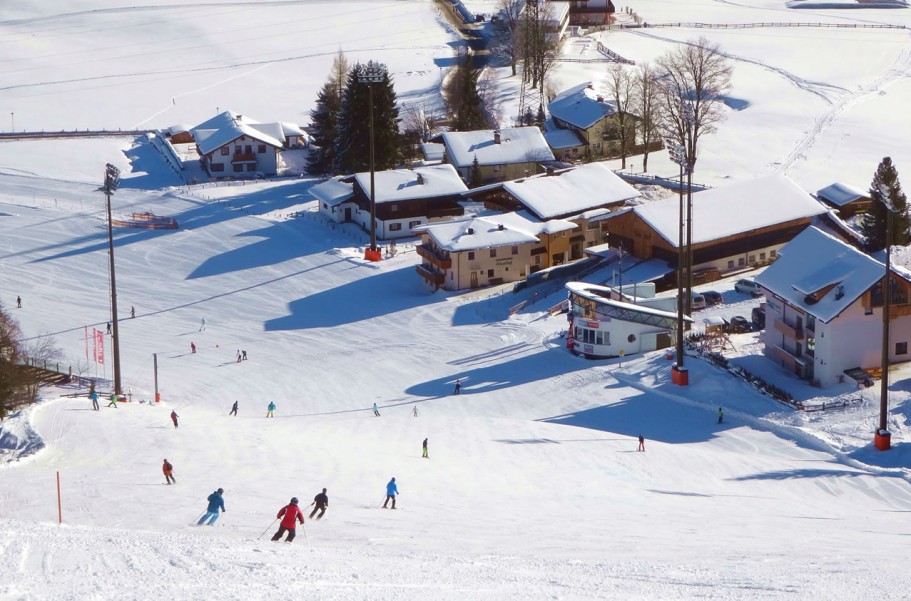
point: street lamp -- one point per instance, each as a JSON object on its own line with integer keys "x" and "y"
{"x": 882, "y": 439}
{"x": 111, "y": 180}
{"x": 370, "y": 74}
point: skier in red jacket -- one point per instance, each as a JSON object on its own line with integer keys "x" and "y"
{"x": 292, "y": 514}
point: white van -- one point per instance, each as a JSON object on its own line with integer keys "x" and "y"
{"x": 747, "y": 286}
{"x": 698, "y": 301}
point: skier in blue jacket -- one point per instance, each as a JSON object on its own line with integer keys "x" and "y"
{"x": 216, "y": 502}
{"x": 391, "y": 490}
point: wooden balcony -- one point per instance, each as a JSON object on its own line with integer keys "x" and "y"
{"x": 788, "y": 331}
{"x": 436, "y": 279}
{"x": 243, "y": 157}
{"x": 438, "y": 261}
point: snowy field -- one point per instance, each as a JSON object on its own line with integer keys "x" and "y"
{"x": 534, "y": 488}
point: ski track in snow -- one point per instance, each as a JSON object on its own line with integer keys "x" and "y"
{"x": 900, "y": 68}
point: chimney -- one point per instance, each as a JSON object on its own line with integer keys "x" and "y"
{"x": 600, "y": 98}
{"x": 500, "y": 227}
{"x": 496, "y": 136}
{"x": 420, "y": 179}
{"x": 590, "y": 86}
{"x": 549, "y": 170}
{"x": 469, "y": 231}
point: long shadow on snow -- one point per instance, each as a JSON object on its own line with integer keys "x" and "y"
{"x": 548, "y": 363}
{"x": 364, "y": 298}
{"x": 203, "y": 214}
{"x": 651, "y": 415}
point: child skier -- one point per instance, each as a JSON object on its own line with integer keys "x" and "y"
{"x": 168, "y": 471}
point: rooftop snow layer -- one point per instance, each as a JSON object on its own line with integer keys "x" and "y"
{"x": 517, "y": 145}
{"x": 840, "y": 194}
{"x": 407, "y": 184}
{"x": 573, "y": 191}
{"x": 811, "y": 262}
{"x": 734, "y": 209}
{"x": 579, "y": 106}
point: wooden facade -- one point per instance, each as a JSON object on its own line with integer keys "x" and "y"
{"x": 636, "y": 235}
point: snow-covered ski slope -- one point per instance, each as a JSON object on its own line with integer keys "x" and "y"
{"x": 533, "y": 488}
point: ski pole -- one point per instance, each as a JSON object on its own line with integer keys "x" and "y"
{"x": 304, "y": 530}
{"x": 267, "y": 529}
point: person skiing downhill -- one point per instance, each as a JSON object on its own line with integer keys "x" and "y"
{"x": 193, "y": 347}
{"x": 720, "y": 415}
{"x": 233, "y": 409}
{"x": 392, "y": 490}
{"x": 376, "y": 410}
{"x": 18, "y": 302}
{"x": 174, "y": 417}
{"x": 424, "y": 450}
{"x": 641, "y": 443}
{"x": 321, "y": 501}
{"x": 290, "y": 515}
{"x": 94, "y": 396}
{"x": 458, "y": 387}
{"x": 132, "y": 312}
{"x": 113, "y": 400}
{"x": 270, "y": 409}
{"x": 202, "y": 326}
{"x": 168, "y": 470}
{"x": 216, "y": 502}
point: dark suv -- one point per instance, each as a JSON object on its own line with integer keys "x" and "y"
{"x": 758, "y": 317}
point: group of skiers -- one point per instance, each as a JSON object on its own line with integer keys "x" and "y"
{"x": 290, "y": 515}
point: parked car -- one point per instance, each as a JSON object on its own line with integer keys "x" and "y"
{"x": 712, "y": 298}
{"x": 738, "y": 324}
{"x": 698, "y": 301}
{"x": 747, "y": 286}
{"x": 758, "y": 317}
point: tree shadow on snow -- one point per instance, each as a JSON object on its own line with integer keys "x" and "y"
{"x": 355, "y": 301}
{"x": 651, "y": 415}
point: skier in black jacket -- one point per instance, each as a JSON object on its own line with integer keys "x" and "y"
{"x": 321, "y": 501}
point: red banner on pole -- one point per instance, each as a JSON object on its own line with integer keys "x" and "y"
{"x": 98, "y": 346}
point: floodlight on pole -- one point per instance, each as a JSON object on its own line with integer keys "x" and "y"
{"x": 688, "y": 116}
{"x": 883, "y": 438}
{"x": 678, "y": 156}
{"x": 111, "y": 181}
{"x": 370, "y": 74}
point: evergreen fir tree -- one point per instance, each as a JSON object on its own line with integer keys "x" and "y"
{"x": 540, "y": 118}
{"x": 324, "y": 117}
{"x": 886, "y": 185}
{"x": 528, "y": 118}
{"x": 323, "y": 121}
{"x": 468, "y": 114}
{"x": 352, "y": 135}
{"x": 475, "y": 179}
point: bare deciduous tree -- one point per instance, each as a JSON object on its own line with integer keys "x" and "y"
{"x": 694, "y": 79}
{"x": 647, "y": 107}
{"x": 621, "y": 87}
{"x": 507, "y": 43}
{"x": 540, "y": 43}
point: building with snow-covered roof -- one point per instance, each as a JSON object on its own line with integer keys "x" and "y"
{"x": 735, "y": 227}
{"x": 501, "y": 154}
{"x": 590, "y": 116}
{"x": 568, "y": 192}
{"x": 492, "y": 249}
{"x": 824, "y": 309}
{"x": 407, "y": 198}
{"x": 602, "y": 323}
{"x": 847, "y": 199}
{"x": 230, "y": 144}
{"x": 335, "y": 197}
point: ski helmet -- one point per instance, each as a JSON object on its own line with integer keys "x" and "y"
{"x": 294, "y": 500}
